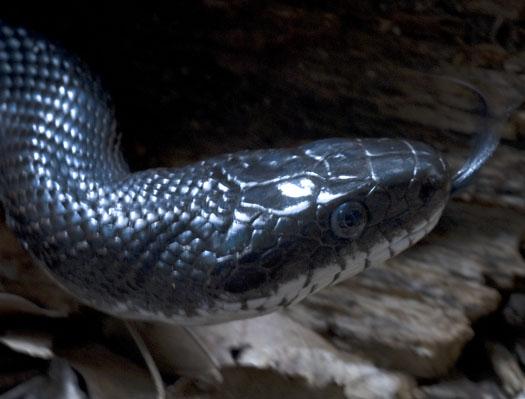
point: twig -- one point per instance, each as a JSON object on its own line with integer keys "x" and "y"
{"x": 148, "y": 359}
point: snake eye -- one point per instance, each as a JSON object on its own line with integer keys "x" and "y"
{"x": 348, "y": 220}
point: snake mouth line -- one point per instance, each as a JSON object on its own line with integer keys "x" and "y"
{"x": 292, "y": 291}
{"x": 410, "y": 238}
{"x": 327, "y": 275}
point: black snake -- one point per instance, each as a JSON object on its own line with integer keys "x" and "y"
{"x": 225, "y": 238}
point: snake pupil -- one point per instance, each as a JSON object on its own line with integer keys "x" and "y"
{"x": 353, "y": 218}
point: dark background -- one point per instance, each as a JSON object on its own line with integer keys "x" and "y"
{"x": 204, "y": 77}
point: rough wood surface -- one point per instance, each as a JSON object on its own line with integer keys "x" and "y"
{"x": 205, "y": 77}
{"x": 414, "y": 314}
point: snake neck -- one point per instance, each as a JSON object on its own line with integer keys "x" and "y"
{"x": 108, "y": 236}
{"x": 57, "y": 138}
{"x": 56, "y": 126}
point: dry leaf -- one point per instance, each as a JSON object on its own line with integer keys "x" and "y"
{"x": 11, "y": 304}
{"x": 34, "y": 344}
{"x": 507, "y": 369}
{"x": 253, "y": 383}
{"x": 275, "y": 342}
{"x": 61, "y": 383}
{"x": 177, "y": 351}
{"x": 110, "y": 376}
{"x": 20, "y": 275}
{"x": 31, "y": 342}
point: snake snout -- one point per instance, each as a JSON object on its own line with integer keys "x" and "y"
{"x": 430, "y": 185}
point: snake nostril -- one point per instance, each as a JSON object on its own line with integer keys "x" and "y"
{"x": 428, "y": 188}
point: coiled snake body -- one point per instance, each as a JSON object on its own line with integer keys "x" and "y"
{"x": 225, "y": 238}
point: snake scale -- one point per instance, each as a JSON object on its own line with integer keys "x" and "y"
{"x": 225, "y": 238}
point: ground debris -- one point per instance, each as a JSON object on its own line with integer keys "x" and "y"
{"x": 462, "y": 388}
{"x": 507, "y": 369}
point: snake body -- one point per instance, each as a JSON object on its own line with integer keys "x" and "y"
{"x": 225, "y": 238}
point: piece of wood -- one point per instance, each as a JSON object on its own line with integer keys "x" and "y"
{"x": 462, "y": 388}
{"x": 507, "y": 369}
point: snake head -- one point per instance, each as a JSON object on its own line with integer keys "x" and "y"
{"x": 247, "y": 233}
{"x": 314, "y": 215}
